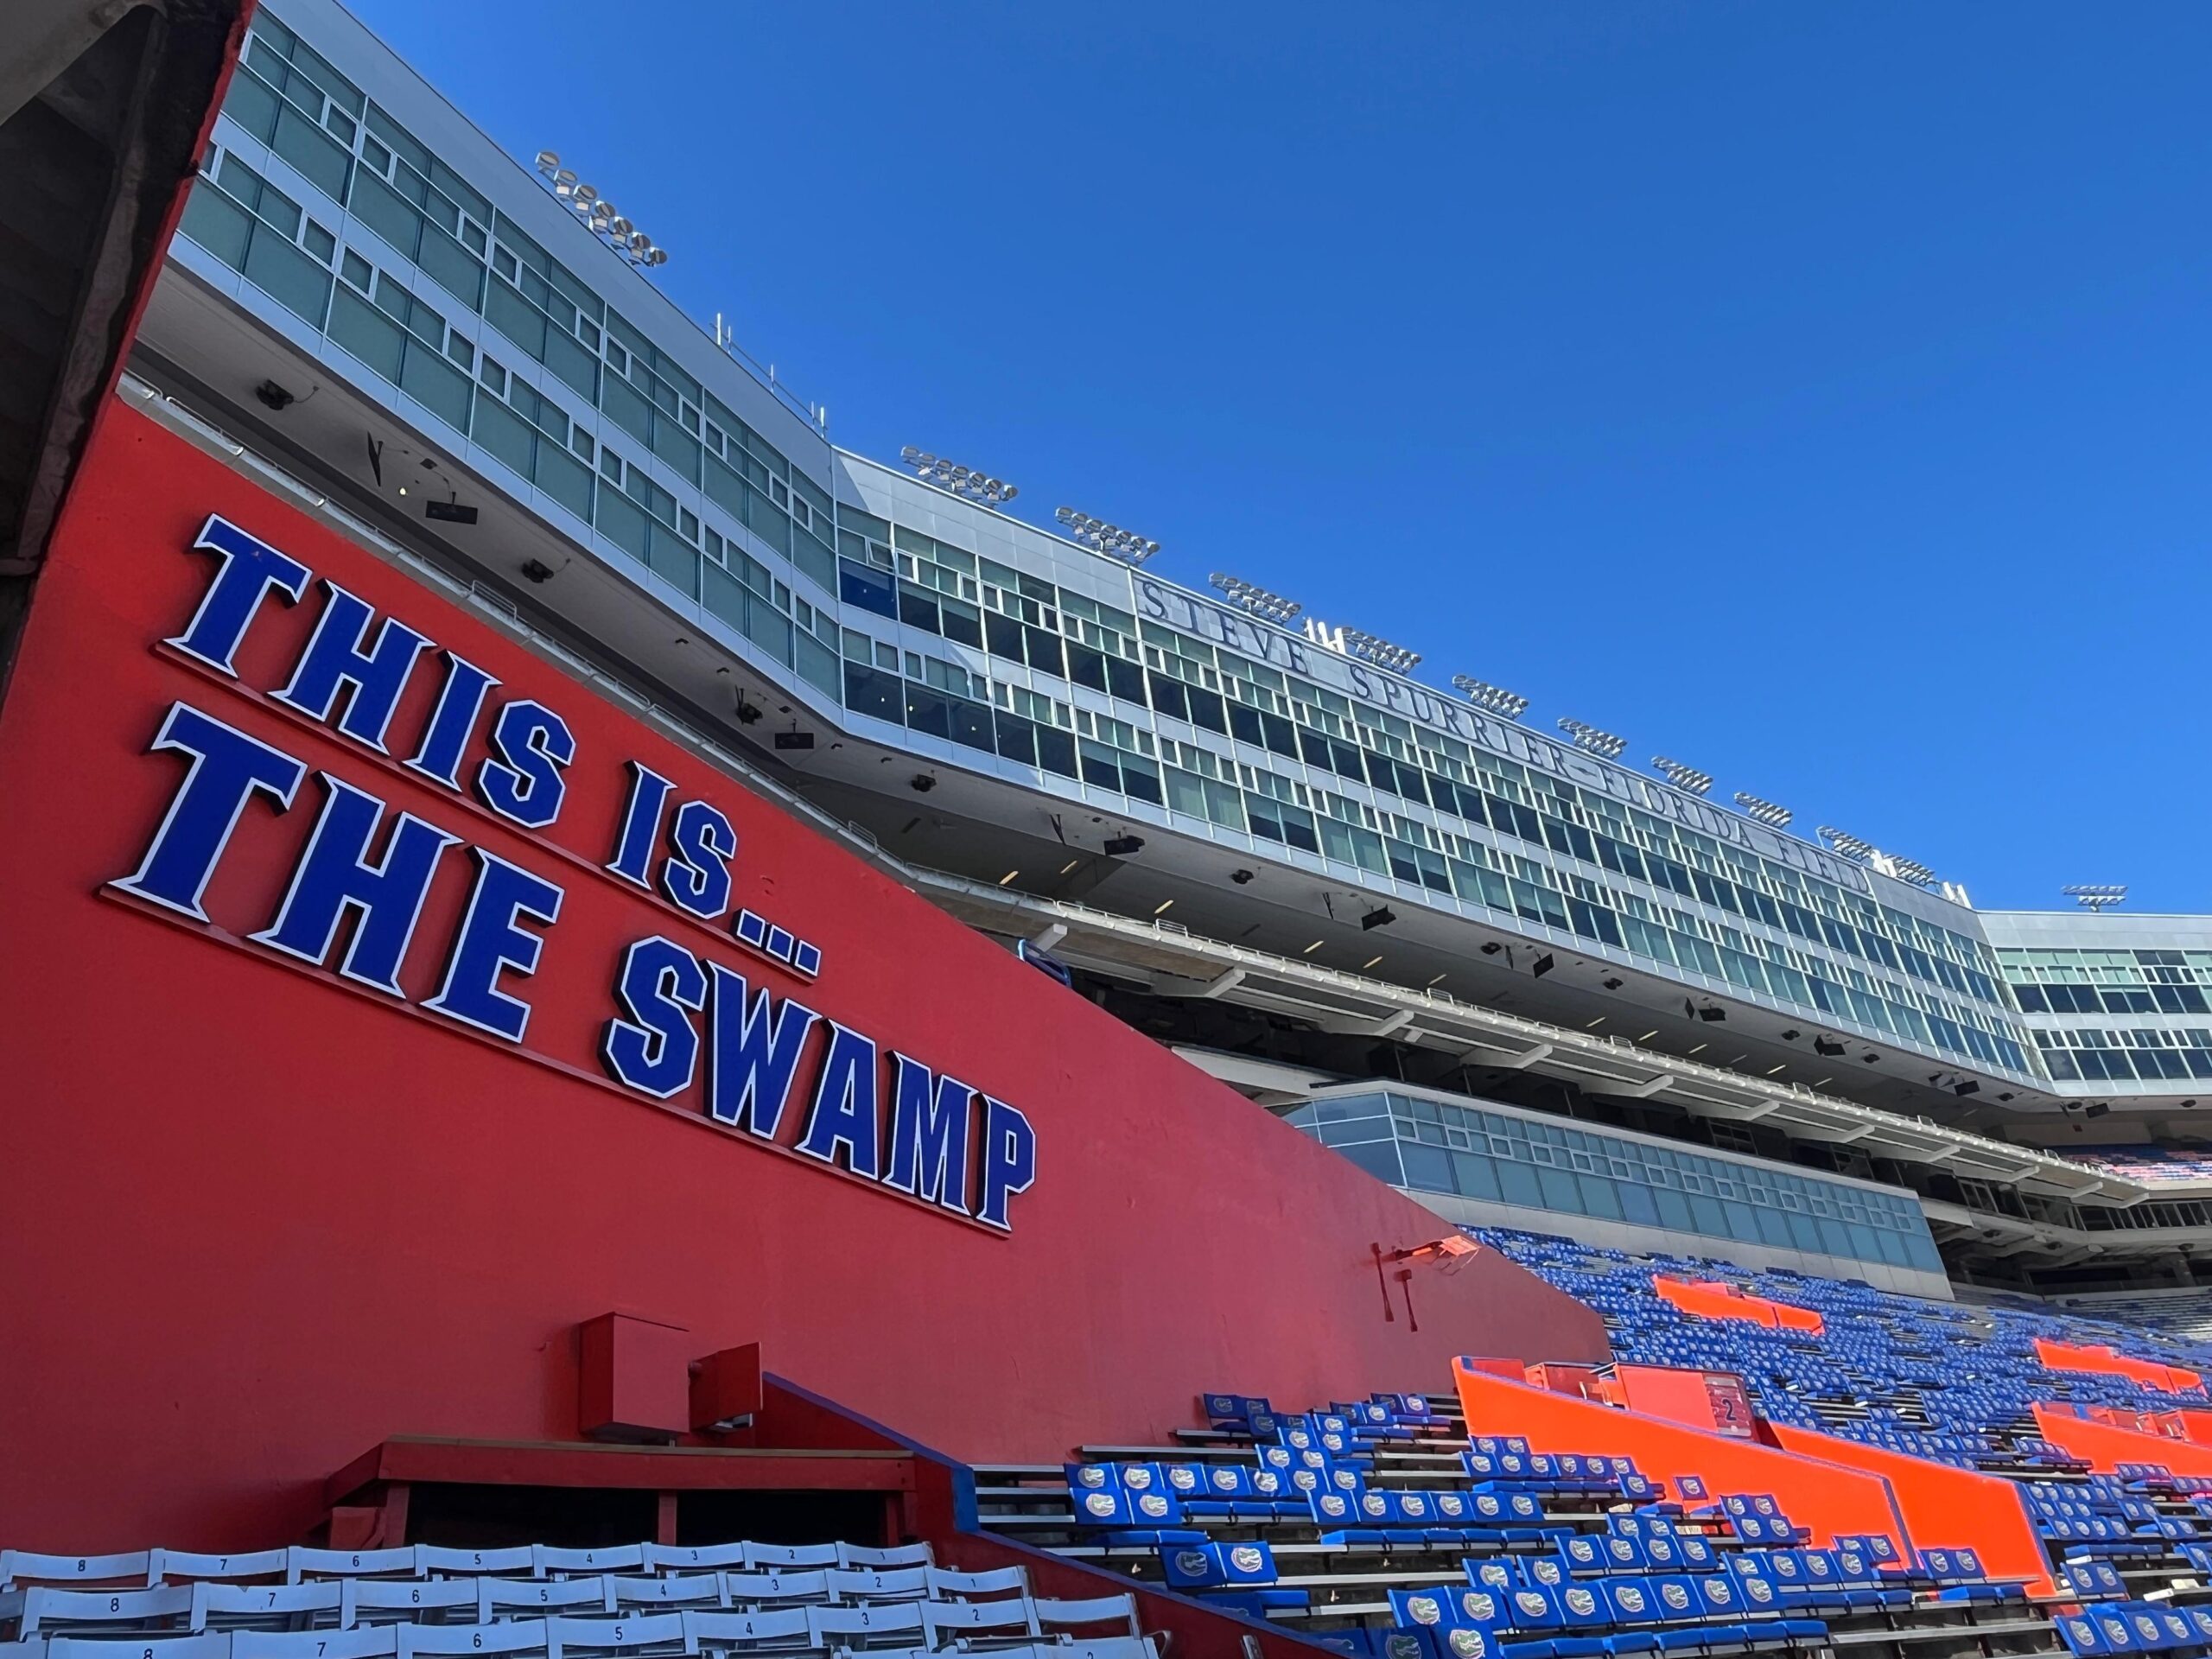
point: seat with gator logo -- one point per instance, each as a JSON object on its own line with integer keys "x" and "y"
{"x": 1489, "y": 1509}
{"x": 2084, "y": 1635}
{"x": 1583, "y": 1614}
{"x": 1534, "y": 1607}
{"x": 1583, "y": 1553}
{"x": 1625, "y": 1553}
{"x": 1749, "y": 1564}
{"x": 1961, "y": 1577}
{"x": 1448, "y": 1606}
{"x": 2100, "y": 1580}
{"x": 1209, "y": 1566}
{"x": 1464, "y": 1641}
{"x": 1233, "y": 1411}
{"x": 1631, "y": 1601}
{"x": 1207, "y": 1490}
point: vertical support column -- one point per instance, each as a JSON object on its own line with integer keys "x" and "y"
{"x": 664, "y": 1518}
{"x": 392, "y": 1524}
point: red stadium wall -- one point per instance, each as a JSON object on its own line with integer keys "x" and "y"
{"x": 260, "y": 1218}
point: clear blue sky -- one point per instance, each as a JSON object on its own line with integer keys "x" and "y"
{"x": 1815, "y": 394}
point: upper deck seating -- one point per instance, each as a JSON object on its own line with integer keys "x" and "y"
{"x": 1886, "y": 1369}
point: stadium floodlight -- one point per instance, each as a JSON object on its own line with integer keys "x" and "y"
{"x": 1368, "y": 647}
{"x": 1381, "y": 652}
{"x": 1256, "y": 598}
{"x": 2096, "y": 898}
{"x": 960, "y": 481}
{"x": 598, "y": 213}
{"x": 1100, "y": 537}
{"x": 1602, "y": 744}
{"x": 1682, "y": 777}
{"x": 1847, "y": 846}
{"x": 1906, "y": 869}
{"x": 1491, "y": 699}
{"x": 1765, "y": 812}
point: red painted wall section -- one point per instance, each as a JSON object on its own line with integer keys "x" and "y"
{"x": 2104, "y": 1447}
{"x": 1820, "y": 1496}
{"x": 1942, "y": 1506}
{"x": 2101, "y": 1358}
{"x": 1708, "y": 1299}
{"x": 260, "y": 1218}
{"x": 1715, "y": 1401}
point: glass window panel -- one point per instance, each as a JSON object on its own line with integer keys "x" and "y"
{"x": 1475, "y": 1175}
{"x": 1559, "y": 1191}
{"x": 1428, "y": 1168}
{"x": 369, "y": 334}
{"x": 1600, "y": 1196}
{"x": 1638, "y": 1204}
{"x": 217, "y": 224}
{"x": 565, "y": 479}
{"x": 1517, "y": 1184}
{"x": 320, "y": 160}
{"x": 288, "y": 277}
{"x": 436, "y": 383}
{"x": 1379, "y": 1159}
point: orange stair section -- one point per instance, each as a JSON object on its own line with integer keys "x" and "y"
{"x": 1942, "y": 1505}
{"x": 1709, "y": 1300}
{"x": 2104, "y": 1447}
{"x": 2073, "y": 1357}
{"x": 1823, "y": 1497}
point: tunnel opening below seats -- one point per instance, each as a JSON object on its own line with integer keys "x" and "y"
{"x": 777, "y": 1517}
{"x": 493, "y": 1517}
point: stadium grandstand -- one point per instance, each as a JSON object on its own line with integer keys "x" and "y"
{"x": 636, "y": 1035}
{"x": 2153, "y": 1166}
